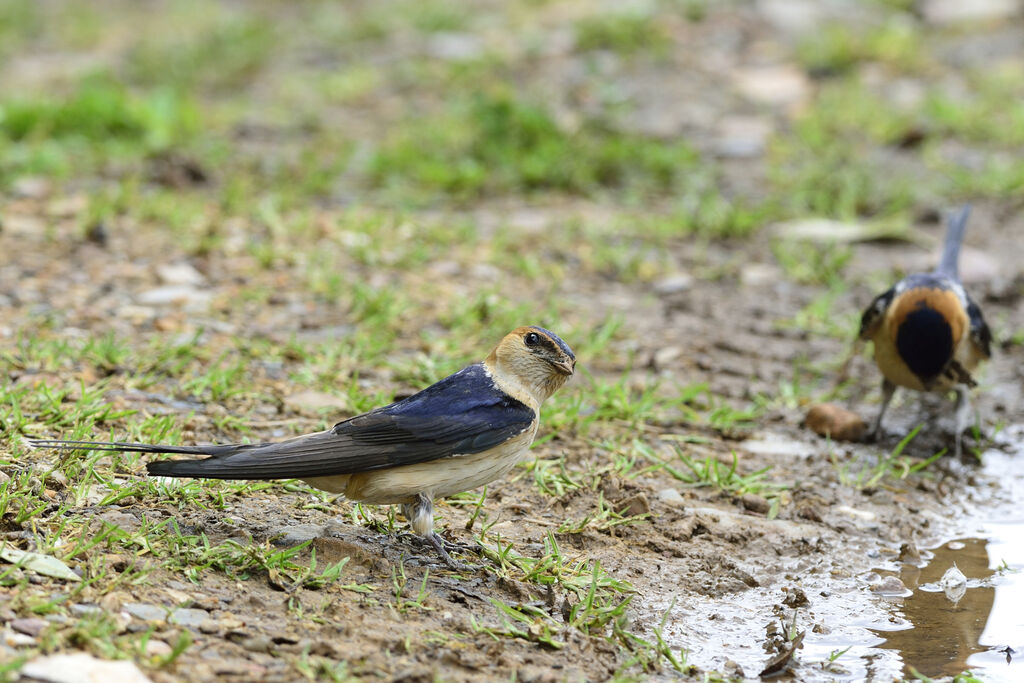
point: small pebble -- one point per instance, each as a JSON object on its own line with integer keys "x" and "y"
{"x": 145, "y": 612}
{"x": 671, "y": 497}
{"x": 828, "y": 419}
{"x": 189, "y": 617}
{"x": 258, "y": 644}
{"x": 890, "y": 585}
{"x": 157, "y": 648}
{"x": 755, "y": 503}
{"x": 31, "y": 626}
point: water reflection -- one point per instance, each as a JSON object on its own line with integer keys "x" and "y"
{"x": 945, "y": 633}
{"x": 943, "y": 636}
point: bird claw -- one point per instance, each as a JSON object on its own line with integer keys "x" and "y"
{"x": 443, "y": 548}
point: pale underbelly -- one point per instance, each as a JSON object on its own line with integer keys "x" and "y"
{"x": 436, "y": 479}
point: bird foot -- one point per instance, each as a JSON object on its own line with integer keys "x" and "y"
{"x": 443, "y": 548}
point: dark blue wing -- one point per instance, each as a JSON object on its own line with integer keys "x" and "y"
{"x": 981, "y": 335}
{"x": 873, "y": 314}
{"x": 460, "y": 415}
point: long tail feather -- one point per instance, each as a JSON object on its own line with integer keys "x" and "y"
{"x": 207, "y": 467}
{"x": 128, "y": 447}
{"x": 309, "y": 455}
{"x": 956, "y": 226}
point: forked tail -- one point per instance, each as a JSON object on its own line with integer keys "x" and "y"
{"x": 955, "y": 229}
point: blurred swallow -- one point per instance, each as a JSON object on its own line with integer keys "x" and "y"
{"x": 928, "y": 334}
{"x": 463, "y": 432}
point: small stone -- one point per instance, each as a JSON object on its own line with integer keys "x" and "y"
{"x": 258, "y": 644}
{"x": 31, "y": 626}
{"x": 809, "y": 511}
{"x": 836, "y": 422}
{"x": 158, "y": 648}
{"x": 209, "y": 626}
{"x": 82, "y": 668}
{"x": 13, "y": 639}
{"x": 288, "y": 536}
{"x": 57, "y": 480}
{"x": 795, "y": 597}
{"x": 81, "y": 610}
{"x": 179, "y": 274}
{"x": 634, "y": 505}
{"x": 673, "y": 284}
{"x": 112, "y": 602}
{"x": 186, "y": 616}
{"x": 909, "y": 553}
{"x": 145, "y": 612}
{"x": 663, "y": 357}
{"x": 122, "y": 520}
{"x": 755, "y": 503}
{"x": 733, "y": 670}
{"x": 890, "y": 586}
{"x": 186, "y": 295}
{"x": 230, "y": 623}
{"x": 779, "y": 85}
{"x": 671, "y": 496}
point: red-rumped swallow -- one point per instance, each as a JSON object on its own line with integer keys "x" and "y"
{"x": 928, "y": 334}
{"x": 463, "y": 432}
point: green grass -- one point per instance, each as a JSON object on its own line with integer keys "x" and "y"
{"x": 498, "y": 143}
{"x": 841, "y": 48}
{"x": 100, "y": 123}
{"x": 890, "y": 468}
{"x": 622, "y": 32}
{"x": 223, "y": 55}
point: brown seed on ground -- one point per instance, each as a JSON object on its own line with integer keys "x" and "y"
{"x": 828, "y": 419}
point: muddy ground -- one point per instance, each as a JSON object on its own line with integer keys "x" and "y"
{"x": 719, "y": 572}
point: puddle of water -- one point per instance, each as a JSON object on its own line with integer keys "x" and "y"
{"x": 940, "y": 635}
{"x": 885, "y": 636}
{"x": 945, "y": 636}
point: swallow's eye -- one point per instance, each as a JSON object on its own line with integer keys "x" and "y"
{"x": 532, "y": 339}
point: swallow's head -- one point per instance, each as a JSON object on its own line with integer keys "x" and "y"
{"x": 926, "y": 324}
{"x": 536, "y": 358}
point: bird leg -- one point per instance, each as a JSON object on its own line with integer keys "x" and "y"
{"x": 963, "y": 416}
{"x": 888, "y": 389}
{"x": 421, "y": 517}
